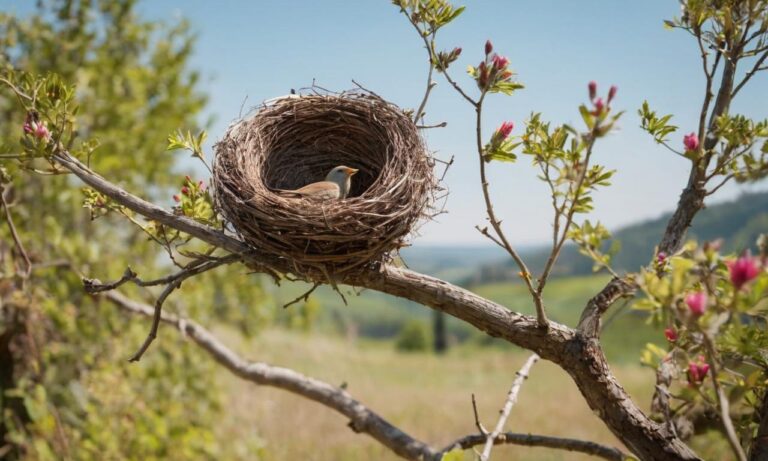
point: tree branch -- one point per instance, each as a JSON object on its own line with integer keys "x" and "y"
{"x": 532, "y": 440}
{"x": 361, "y": 418}
{"x": 589, "y": 323}
{"x": 583, "y": 360}
{"x": 522, "y": 375}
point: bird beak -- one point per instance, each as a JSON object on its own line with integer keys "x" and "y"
{"x": 352, "y": 171}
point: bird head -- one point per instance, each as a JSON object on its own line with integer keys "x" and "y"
{"x": 340, "y": 174}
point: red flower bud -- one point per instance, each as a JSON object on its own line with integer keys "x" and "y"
{"x": 488, "y": 47}
{"x": 691, "y": 141}
{"x": 697, "y": 371}
{"x": 187, "y": 178}
{"x": 176, "y": 198}
{"x": 612, "y": 93}
{"x": 599, "y": 106}
{"x": 671, "y": 334}
{"x": 185, "y": 190}
{"x": 505, "y": 130}
{"x": 592, "y": 89}
{"x": 661, "y": 258}
{"x": 456, "y": 52}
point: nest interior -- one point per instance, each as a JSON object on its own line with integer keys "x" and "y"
{"x": 297, "y": 140}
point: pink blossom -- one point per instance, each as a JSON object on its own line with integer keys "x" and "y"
{"x": 592, "y": 90}
{"x": 28, "y": 127}
{"x": 201, "y": 185}
{"x": 41, "y": 132}
{"x": 500, "y": 62}
{"x": 697, "y": 302}
{"x": 504, "y": 130}
{"x": 661, "y": 258}
{"x": 176, "y": 198}
{"x": 185, "y": 190}
{"x": 488, "y": 47}
{"x": 612, "y": 93}
{"x": 691, "y": 141}
{"x": 671, "y": 334}
{"x": 743, "y": 270}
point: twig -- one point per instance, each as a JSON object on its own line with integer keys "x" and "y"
{"x": 722, "y": 402}
{"x": 361, "y": 418}
{"x": 522, "y": 375}
{"x": 532, "y": 440}
{"x": 15, "y": 235}
{"x": 426, "y": 127}
{"x": 478, "y": 424}
{"x": 756, "y": 68}
{"x": 305, "y": 296}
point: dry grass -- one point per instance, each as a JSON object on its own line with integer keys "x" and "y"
{"x": 425, "y": 395}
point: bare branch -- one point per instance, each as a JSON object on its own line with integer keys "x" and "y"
{"x": 304, "y": 296}
{"x": 478, "y": 424}
{"x": 532, "y": 440}
{"x": 722, "y": 402}
{"x": 522, "y": 375}
{"x": 15, "y": 235}
{"x": 756, "y": 68}
{"x": 361, "y": 418}
{"x": 426, "y": 127}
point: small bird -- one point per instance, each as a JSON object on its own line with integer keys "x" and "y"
{"x": 336, "y": 186}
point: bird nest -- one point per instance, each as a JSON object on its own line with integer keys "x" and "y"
{"x": 296, "y": 140}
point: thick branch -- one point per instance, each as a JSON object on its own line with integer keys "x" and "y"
{"x": 361, "y": 418}
{"x": 522, "y": 375}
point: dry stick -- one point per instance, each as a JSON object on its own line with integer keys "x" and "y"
{"x": 304, "y": 296}
{"x": 722, "y": 402}
{"x": 534, "y": 440}
{"x": 174, "y": 281}
{"x": 522, "y": 375}
{"x": 584, "y": 361}
{"x": 15, "y": 235}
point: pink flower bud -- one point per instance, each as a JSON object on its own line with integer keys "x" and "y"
{"x": 592, "y": 89}
{"x": 661, "y": 258}
{"x": 187, "y": 178}
{"x": 691, "y": 141}
{"x": 612, "y": 93}
{"x": 201, "y": 185}
{"x": 697, "y": 302}
{"x": 176, "y": 198}
{"x": 488, "y": 47}
{"x": 505, "y": 130}
{"x": 599, "y": 106}
{"x": 671, "y": 334}
{"x": 456, "y": 52}
{"x": 29, "y": 127}
{"x": 41, "y": 132}
{"x": 185, "y": 190}
{"x": 500, "y": 62}
{"x": 743, "y": 270}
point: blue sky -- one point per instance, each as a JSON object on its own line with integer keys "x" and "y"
{"x": 262, "y": 49}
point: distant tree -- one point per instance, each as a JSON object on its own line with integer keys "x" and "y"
{"x": 64, "y": 390}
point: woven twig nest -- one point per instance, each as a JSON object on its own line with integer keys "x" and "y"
{"x": 294, "y": 141}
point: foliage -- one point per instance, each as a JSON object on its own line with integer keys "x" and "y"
{"x": 66, "y": 391}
